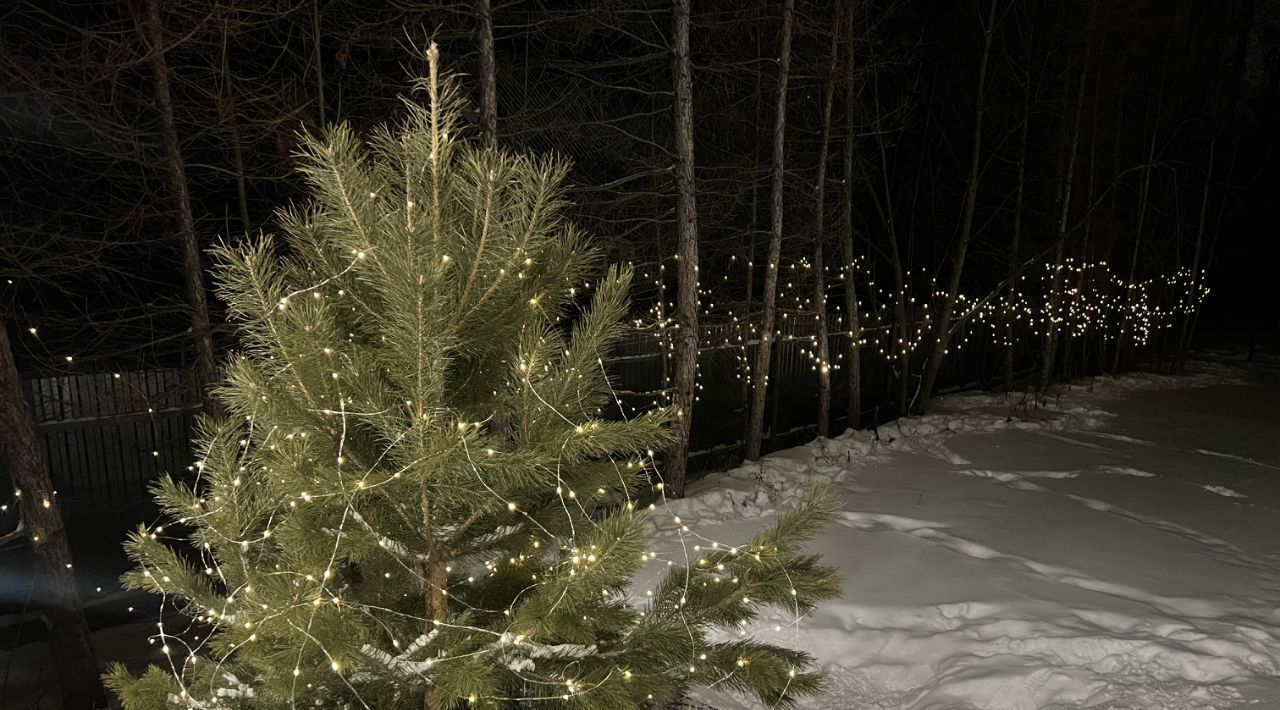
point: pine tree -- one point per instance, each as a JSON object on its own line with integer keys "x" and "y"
{"x": 415, "y": 497}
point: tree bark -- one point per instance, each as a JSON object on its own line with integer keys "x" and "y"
{"x": 686, "y": 253}
{"x": 1143, "y": 193}
{"x": 488, "y": 74}
{"x": 1019, "y": 201}
{"x": 1103, "y": 353}
{"x": 760, "y": 373}
{"x": 435, "y": 585}
{"x": 898, "y": 348}
{"x": 227, "y": 112}
{"x": 822, "y": 347}
{"x": 237, "y": 163}
{"x": 942, "y": 329}
{"x": 1082, "y": 253}
{"x": 192, "y": 271}
{"x": 316, "y": 57}
{"x": 24, "y": 456}
{"x": 1184, "y": 337}
{"x": 902, "y": 346}
{"x": 1049, "y": 348}
{"x": 751, "y": 254}
{"x": 853, "y": 416}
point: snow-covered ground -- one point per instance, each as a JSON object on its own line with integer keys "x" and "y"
{"x": 1119, "y": 548}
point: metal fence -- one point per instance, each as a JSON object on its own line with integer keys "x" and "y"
{"x": 109, "y": 434}
{"x": 640, "y": 369}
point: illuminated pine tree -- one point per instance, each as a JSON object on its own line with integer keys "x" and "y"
{"x": 416, "y": 497}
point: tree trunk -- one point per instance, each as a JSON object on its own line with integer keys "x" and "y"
{"x": 746, "y": 322}
{"x": 435, "y": 599}
{"x": 686, "y": 253}
{"x": 237, "y": 164}
{"x": 488, "y": 74}
{"x": 1082, "y": 253}
{"x": 1143, "y": 193}
{"x": 822, "y": 349}
{"x": 1069, "y": 337}
{"x": 1103, "y": 353}
{"x": 884, "y": 211}
{"x": 192, "y": 272}
{"x": 1050, "y": 342}
{"x": 227, "y": 112}
{"x": 942, "y": 328}
{"x": 760, "y": 373}
{"x": 854, "y": 365}
{"x": 1184, "y": 337}
{"x": 24, "y": 457}
{"x": 751, "y": 256}
{"x": 902, "y": 347}
{"x": 1019, "y": 201}
{"x": 316, "y": 58}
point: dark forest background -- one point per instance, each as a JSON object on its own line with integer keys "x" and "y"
{"x": 93, "y": 243}
{"x": 1102, "y": 161}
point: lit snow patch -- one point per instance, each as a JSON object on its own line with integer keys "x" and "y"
{"x": 1224, "y": 491}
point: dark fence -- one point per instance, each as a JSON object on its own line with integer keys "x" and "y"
{"x": 108, "y": 435}
{"x": 640, "y": 367}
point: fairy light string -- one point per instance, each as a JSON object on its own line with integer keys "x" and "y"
{"x": 1101, "y": 304}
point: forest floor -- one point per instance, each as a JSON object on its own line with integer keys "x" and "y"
{"x": 1117, "y": 548}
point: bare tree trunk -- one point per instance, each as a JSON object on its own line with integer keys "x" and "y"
{"x": 316, "y": 57}
{"x": 686, "y": 253}
{"x": 885, "y": 211}
{"x": 1019, "y": 202}
{"x": 1103, "y": 354}
{"x": 488, "y": 74}
{"x": 900, "y": 318}
{"x": 1050, "y": 341}
{"x": 237, "y": 164}
{"x": 1143, "y": 193}
{"x": 751, "y": 255}
{"x": 898, "y": 346}
{"x": 1239, "y": 56}
{"x": 1217, "y": 228}
{"x": 193, "y": 273}
{"x": 1083, "y": 252}
{"x": 822, "y": 348}
{"x": 663, "y": 337}
{"x": 942, "y": 328}
{"x": 746, "y": 319}
{"x": 760, "y": 373}
{"x": 227, "y": 109}
{"x": 854, "y": 365}
{"x": 1069, "y": 337}
{"x": 1184, "y": 337}
{"x": 24, "y": 457}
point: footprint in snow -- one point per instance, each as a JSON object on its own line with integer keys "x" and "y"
{"x": 1224, "y": 491}
{"x": 1128, "y": 471}
{"x": 1236, "y": 457}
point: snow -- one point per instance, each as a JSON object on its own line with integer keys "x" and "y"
{"x": 1114, "y": 549}
{"x": 1224, "y": 491}
{"x": 1117, "y": 549}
